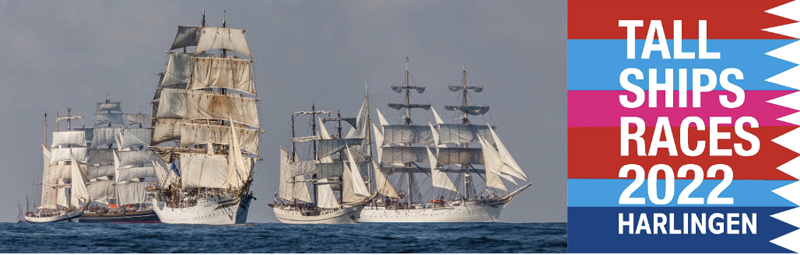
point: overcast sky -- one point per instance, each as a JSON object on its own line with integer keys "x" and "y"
{"x": 55, "y": 55}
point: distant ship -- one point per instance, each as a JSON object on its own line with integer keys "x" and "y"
{"x": 64, "y": 195}
{"x": 414, "y": 152}
{"x": 206, "y": 128}
{"x": 333, "y": 168}
{"x": 119, "y": 169}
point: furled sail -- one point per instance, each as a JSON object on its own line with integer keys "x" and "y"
{"x": 75, "y": 138}
{"x": 138, "y": 119}
{"x": 285, "y": 185}
{"x": 132, "y": 193}
{"x": 410, "y": 106}
{"x": 93, "y": 172}
{"x": 223, "y": 38}
{"x": 403, "y": 155}
{"x": 194, "y": 104}
{"x": 470, "y": 109}
{"x": 63, "y": 154}
{"x": 166, "y": 130}
{"x": 193, "y": 134}
{"x": 227, "y": 73}
{"x": 135, "y": 137}
{"x": 124, "y": 174}
{"x": 493, "y": 164}
{"x": 439, "y": 178}
{"x": 78, "y": 190}
{"x": 300, "y": 190}
{"x": 382, "y": 184}
{"x": 98, "y": 157}
{"x": 104, "y": 136}
{"x": 459, "y": 133}
{"x": 399, "y": 89}
{"x": 101, "y": 191}
{"x": 109, "y": 107}
{"x": 325, "y": 197}
{"x": 134, "y": 158}
{"x": 103, "y": 119}
{"x": 179, "y": 69}
{"x": 449, "y": 156}
{"x": 187, "y": 36}
{"x": 48, "y": 192}
{"x": 511, "y": 166}
{"x": 203, "y": 170}
{"x": 403, "y": 134}
{"x": 477, "y": 89}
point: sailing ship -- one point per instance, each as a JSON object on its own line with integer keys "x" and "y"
{"x": 415, "y": 152}
{"x": 64, "y": 194}
{"x": 119, "y": 168}
{"x": 333, "y": 169}
{"x": 206, "y": 128}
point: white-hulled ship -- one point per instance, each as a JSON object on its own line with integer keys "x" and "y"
{"x": 206, "y": 128}
{"x": 333, "y": 169}
{"x": 464, "y": 150}
{"x": 64, "y": 194}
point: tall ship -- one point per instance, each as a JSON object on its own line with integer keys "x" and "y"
{"x": 119, "y": 168}
{"x": 206, "y": 128}
{"x": 332, "y": 164}
{"x": 419, "y": 157}
{"x": 64, "y": 195}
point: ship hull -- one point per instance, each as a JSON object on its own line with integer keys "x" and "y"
{"x": 347, "y": 215}
{"x": 465, "y": 212}
{"x": 69, "y": 217}
{"x": 213, "y": 211}
{"x": 148, "y": 216}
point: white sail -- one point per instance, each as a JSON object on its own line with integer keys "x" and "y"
{"x": 166, "y": 130}
{"x": 381, "y": 119}
{"x": 285, "y": 181}
{"x": 75, "y": 138}
{"x": 402, "y": 155}
{"x": 493, "y": 165}
{"x": 101, "y": 191}
{"x": 109, "y": 107}
{"x": 62, "y": 196}
{"x": 382, "y": 185}
{"x": 511, "y": 166}
{"x": 88, "y": 133}
{"x": 361, "y": 127}
{"x": 134, "y": 158}
{"x": 104, "y": 119}
{"x": 194, "y": 134}
{"x": 48, "y": 192}
{"x": 63, "y": 154}
{"x": 223, "y": 38}
{"x": 460, "y": 133}
{"x": 439, "y": 178}
{"x": 93, "y": 171}
{"x": 404, "y": 134}
{"x": 203, "y": 170}
{"x": 323, "y": 131}
{"x": 300, "y": 190}
{"x": 434, "y": 134}
{"x": 179, "y": 69}
{"x": 378, "y": 139}
{"x": 138, "y": 119}
{"x": 237, "y": 172}
{"x": 104, "y": 136}
{"x": 436, "y": 117}
{"x": 132, "y": 193}
{"x": 98, "y": 157}
{"x": 471, "y": 109}
{"x": 325, "y": 197}
{"x": 59, "y": 172}
{"x": 164, "y": 175}
{"x": 331, "y": 146}
{"x": 187, "y": 36}
{"x": 227, "y": 73}
{"x": 353, "y": 188}
{"x": 124, "y": 174}
{"x": 206, "y": 105}
{"x": 136, "y": 137}
{"x": 78, "y": 188}
{"x": 450, "y": 156}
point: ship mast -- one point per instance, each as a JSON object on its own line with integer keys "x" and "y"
{"x": 409, "y": 175}
{"x": 465, "y": 121}
{"x": 369, "y": 141}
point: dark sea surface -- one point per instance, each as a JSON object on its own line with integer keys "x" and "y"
{"x": 274, "y": 237}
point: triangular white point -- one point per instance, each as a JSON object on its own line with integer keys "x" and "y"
{"x": 789, "y": 140}
{"x": 789, "y": 241}
{"x": 791, "y": 101}
{"x": 791, "y": 168}
{"x": 789, "y": 78}
{"x": 793, "y": 118}
{"x": 791, "y": 216}
{"x": 790, "y": 30}
{"x": 790, "y": 10}
{"x": 790, "y": 192}
{"x": 790, "y": 52}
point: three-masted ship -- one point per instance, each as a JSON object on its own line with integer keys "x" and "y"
{"x": 333, "y": 165}
{"x": 206, "y": 128}
{"x": 413, "y": 153}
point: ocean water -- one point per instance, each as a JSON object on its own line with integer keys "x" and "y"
{"x": 274, "y": 237}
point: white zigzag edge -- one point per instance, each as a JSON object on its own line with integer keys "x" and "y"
{"x": 791, "y": 140}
